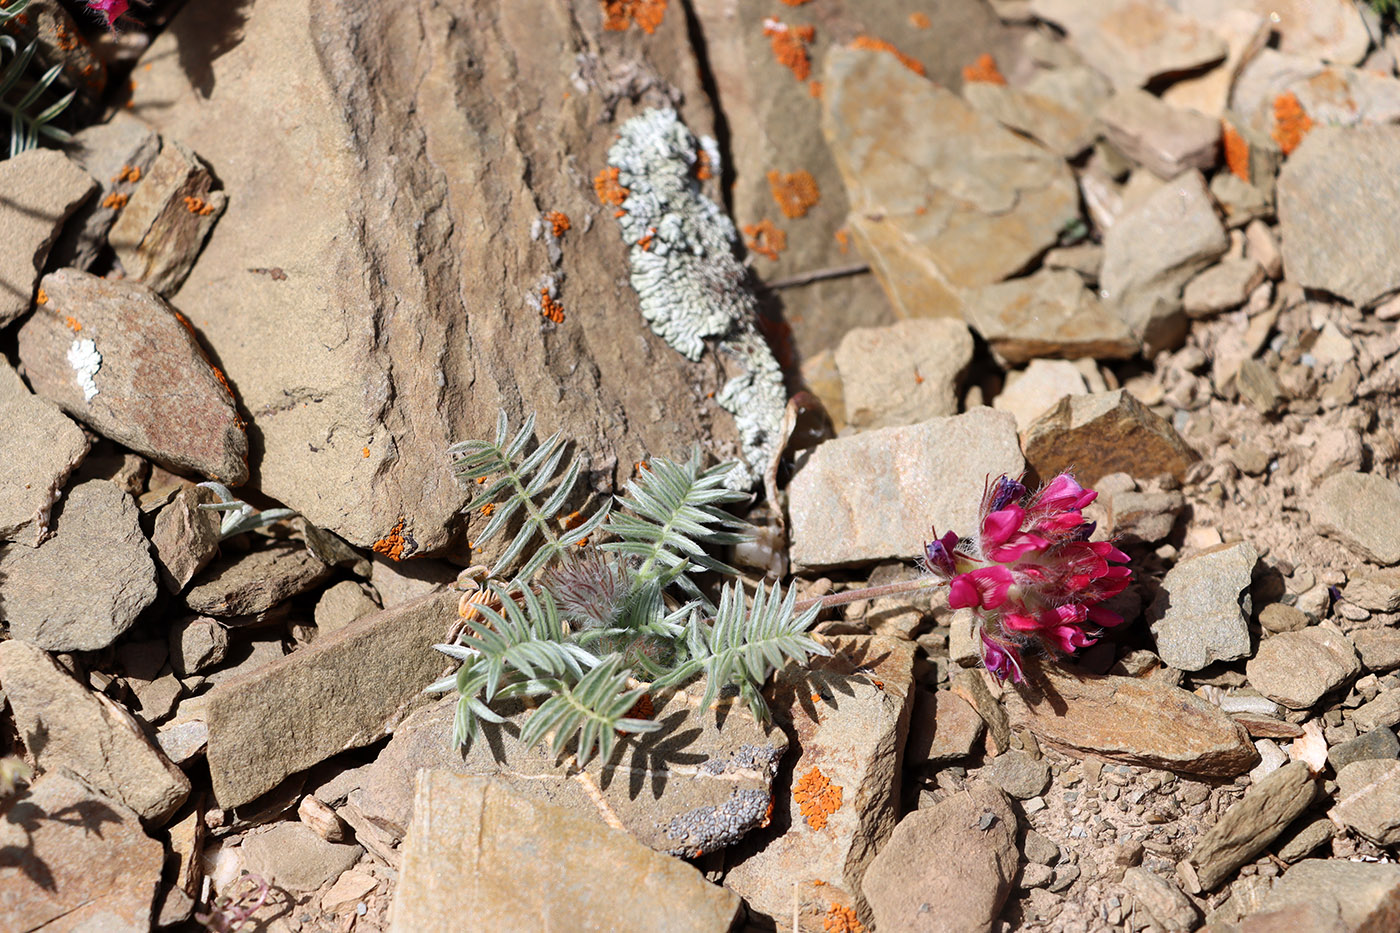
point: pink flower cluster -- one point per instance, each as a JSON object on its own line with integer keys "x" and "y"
{"x": 111, "y": 9}
{"x": 1031, "y": 575}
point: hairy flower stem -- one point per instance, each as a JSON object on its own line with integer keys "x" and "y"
{"x": 869, "y": 592}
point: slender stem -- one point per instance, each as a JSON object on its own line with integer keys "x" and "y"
{"x": 869, "y": 592}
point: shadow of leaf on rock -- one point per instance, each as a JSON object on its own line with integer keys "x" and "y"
{"x": 27, "y": 817}
{"x": 823, "y": 679}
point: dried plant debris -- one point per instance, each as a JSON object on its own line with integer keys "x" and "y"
{"x": 692, "y": 288}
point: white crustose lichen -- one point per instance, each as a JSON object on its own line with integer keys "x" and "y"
{"x": 86, "y": 363}
{"x": 691, "y": 285}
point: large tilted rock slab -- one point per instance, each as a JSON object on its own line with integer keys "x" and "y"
{"x": 943, "y": 199}
{"x": 342, "y": 691}
{"x": 76, "y": 860}
{"x": 879, "y": 494}
{"x": 41, "y": 188}
{"x": 472, "y": 836}
{"x": 1132, "y": 720}
{"x": 42, "y": 447}
{"x": 372, "y": 290}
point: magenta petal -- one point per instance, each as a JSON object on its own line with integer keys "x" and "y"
{"x": 992, "y": 584}
{"x": 1019, "y": 621}
{"x": 1000, "y": 525}
{"x": 962, "y": 593}
{"x": 1104, "y": 617}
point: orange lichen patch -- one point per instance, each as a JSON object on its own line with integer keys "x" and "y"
{"x": 393, "y": 544}
{"x": 571, "y": 521}
{"x": 790, "y": 46}
{"x": 645, "y": 241}
{"x": 606, "y": 186}
{"x": 558, "y": 222}
{"x": 364, "y": 452}
{"x": 72, "y": 323}
{"x": 488, "y": 508}
{"x": 795, "y": 193}
{"x": 984, "y": 70}
{"x": 1236, "y": 151}
{"x": 41, "y": 297}
{"x": 920, "y": 20}
{"x": 549, "y": 308}
{"x": 767, "y": 815}
{"x": 842, "y": 919}
{"x": 817, "y": 797}
{"x": 703, "y": 170}
{"x": 223, "y": 381}
{"x": 1291, "y": 122}
{"x": 198, "y": 206}
{"x": 765, "y": 238}
{"x": 647, "y": 14}
{"x": 582, "y": 542}
{"x": 796, "y": 2}
{"x": 814, "y": 89}
{"x": 116, "y": 201}
{"x": 843, "y": 240}
{"x": 127, "y": 173}
{"x": 872, "y": 44}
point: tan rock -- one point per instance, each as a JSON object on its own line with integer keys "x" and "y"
{"x": 944, "y": 727}
{"x": 1048, "y": 313}
{"x": 1067, "y": 131}
{"x": 1362, "y": 510}
{"x": 41, "y": 188}
{"x": 1163, "y": 139}
{"x": 1222, "y": 287}
{"x": 42, "y": 449}
{"x": 185, "y": 537}
{"x": 1350, "y": 895}
{"x": 251, "y": 583}
{"x": 1133, "y": 41}
{"x": 903, "y": 373}
{"x": 1251, "y": 824}
{"x": 1368, "y": 799}
{"x": 1245, "y": 32}
{"x": 341, "y": 604}
{"x": 1038, "y": 388}
{"x": 470, "y": 835}
{"x": 1298, "y": 668}
{"x": 1132, "y": 720}
{"x": 943, "y": 199}
{"x": 1108, "y": 432}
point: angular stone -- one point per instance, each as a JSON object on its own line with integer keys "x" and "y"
{"x": 1298, "y": 668}
{"x": 1106, "y": 432}
{"x": 1336, "y": 198}
{"x": 87, "y": 584}
{"x": 65, "y": 725}
{"x": 1359, "y": 895}
{"x": 1161, "y": 138}
{"x": 343, "y": 691}
{"x": 943, "y": 199}
{"x": 944, "y": 727}
{"x": 470, "y": 835}
{"x": 182, "y": 741}
{"x": 115, "y": 356}
{"x": 76, "y": 861}
{"x": 292, "y": 856}
{"x": 912, "y": 888}
{"x": 1279, "y": 617}
{"x": 1133, "y": 41}
{"x": 1222, "y": 287}
{"x": 1140, "y": 721}
{"x": 1048, "y": 313}
{"x": 341, "y": 604}
{"x": 844, "y": 801}
{"x": 1332, "y": 30}
{"x": 883, "y": 475}
{"x": 1384, "y": 710}
{"x": 902, "y": 373}
{"x": 38, "y": 190}
{"x": 1152, "y": 251}
{"x": 169, "y": 216}
{"x": 1378, "y": 744}
{"x": 1202, "y": 613}
{"x": 1251, "y": 824}
{"x": 1244, "y": 32}
{"x": 1018, "y": 774}
{"x": 247, "y": 584}
{"x": 1144, "y": 516}
{"x": 1259, "y": 386}
{"x": 320, "y": 315}
{"x": 1376, "y": 590}
{"x": 196, "y": 644}
{"x": 117, "y": 154}
{"x": 185, "y": 537}
{"x": 1368, "y": 799}
{"x": 1362, "y": 510}
{"x": 1038, "y": 388}
{"x": 1063, "y": 127}
{"x": 1379, "y": 648}
{"x": 1162, "y": 900}
{"x": 42, "y": 448}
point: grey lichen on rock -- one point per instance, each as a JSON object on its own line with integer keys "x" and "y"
{"x": 691, "y": 285}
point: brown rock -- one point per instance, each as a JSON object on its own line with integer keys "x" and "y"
{"x": 117, "y": 154}
{"x": 844, "y": 800}
{"x": 1056, "y": 108}
{"x": 1250, "y": 825}
{"x": 65, "y": 725}
{"x": 38, "y": 190}
{"x": 933, "y": 216}
{"x": 342, "y": 604}
{"x": 185, "y": 537}
{"x": 903, "y": 373}
{"x": 1362, "y": 510}
{"x": 1297, "y": 668}
{"x": 1259, "y": 386}
{"x": 171, "y": 212}
{"x": 1139, "y": 721}
{"x": 1048, "y": 313}
{"x": 1360, "y": 895}
{"x": 1163, "y": 139}
{"x": 76, "y": 861}
{"x": 318, "y": 293}
{"x": 196, "y": 644}
{"x": 1132, "y": 41}
{"x": 1379, "y": 648}
{"x": 251, "y": 583}
{"x": 1102, "y": 433}
{"x": 1376, "y": 590}
{"x": 948, "y": 867}
{"x": 471, "y": 834}
{"x": 42, "y": 447}
{"x": 1384, "y": 710}
{"x": 1162, "y": 900}
{"x": 1368, "y": 799}
{"x": 141, "y": 349}
{"x": 88, "y": 583}
{"x": 343, "y": 691}
{"x": 944, "y": 727}
{"x": 291, "y": 855}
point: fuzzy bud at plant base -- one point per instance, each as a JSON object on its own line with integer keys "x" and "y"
{"x": 1031, "y": 576}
